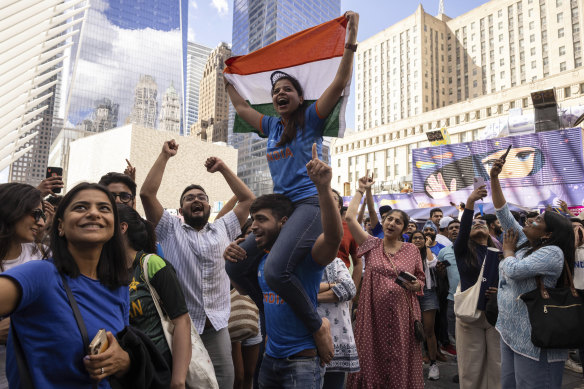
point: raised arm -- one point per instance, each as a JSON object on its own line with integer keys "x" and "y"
{"x": 461, "y": 243}
{"x": 358, "y": 233}
{"x": 243, "y": 109}
{"x": 244, "y": 195}
{"x": 227, "y": 207}
{"x": 373, "y": 219}
{"x": 331, "y": 95}
{"x": 496, "y": 191}
{"x": 326, "y": 247}
{"x": 361, "y": 212}
{"x": 152, "y": 206}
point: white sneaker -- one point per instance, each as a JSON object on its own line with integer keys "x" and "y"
{"x": 433, "y": 373}
{"x": 573, "y": 366}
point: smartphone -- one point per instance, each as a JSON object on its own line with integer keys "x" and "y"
{"x": 99, "y": 343}
{"x": 404, "y": 277}
{"x": 504, "y": 156}
{"x": 478, "y": 182}
{"x": 53, "y": 171}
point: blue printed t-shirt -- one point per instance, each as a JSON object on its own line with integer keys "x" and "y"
{"x": 287, "y": 335}
{"x": 47, "y": 329}
{"x": 288, "y": 163}
{"x": 436, "y": 248}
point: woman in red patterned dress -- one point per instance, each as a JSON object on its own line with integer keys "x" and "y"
{"x": 389, "y": 355}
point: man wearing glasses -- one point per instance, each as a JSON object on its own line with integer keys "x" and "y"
{"x": 122, "y": 187}
{"x": 195, "y": 248}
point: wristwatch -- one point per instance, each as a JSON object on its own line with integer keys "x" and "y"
{"x": 352, "y": 47}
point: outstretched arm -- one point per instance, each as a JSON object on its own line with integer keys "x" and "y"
{"x": 496, "y": 191}
{"x": 373, "y": 219}
{"x": 331, "y": 95}
{"x": 242, "y": 192}
{"x": 243, "y": 109}
{"x": 326, "y": 247}
{"x": 358, "y": 233}
{"x": 152, "y": 206}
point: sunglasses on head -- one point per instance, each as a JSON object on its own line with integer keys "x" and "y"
{"x": 38, "y": 214}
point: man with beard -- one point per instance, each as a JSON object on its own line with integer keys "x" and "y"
{"x": 195, "y": 248}
{"x": 430, "y": 230}
{"x": 291, "y": 358}
{"x": 495, "y": 229}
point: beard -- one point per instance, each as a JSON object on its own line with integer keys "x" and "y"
{"x": 498, "y": 230}
{"x": 197, "y": 222}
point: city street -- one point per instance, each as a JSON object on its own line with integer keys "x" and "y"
{"x": 449, "y": 370}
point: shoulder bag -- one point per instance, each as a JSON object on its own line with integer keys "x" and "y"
{"x": 465, "y": 303}
{"x": 556, "y": 315}
{"x": 201, "y": 372}
{"x": 244, "y": 317}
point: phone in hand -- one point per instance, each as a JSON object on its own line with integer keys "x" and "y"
{"x": 504, "y": 156}
{"x": 404, "y": 277}
{"x": 478, "y": 182}
{"x": 99, "y": 343}
{"x": 53, "y": 171}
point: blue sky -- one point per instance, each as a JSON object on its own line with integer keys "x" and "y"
{"x": 210, "y": 21}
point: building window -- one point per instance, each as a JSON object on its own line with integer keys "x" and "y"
{"x": 561, "y": 32}
{"x": 567, "y": 92}
{"x": 560, "y": 17}
{"x": 562, "y": 66}
{"x": 562, "y": 50}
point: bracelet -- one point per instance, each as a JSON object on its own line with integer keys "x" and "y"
{"x": 361, "y": 191}
{"x": 352, "y": 47}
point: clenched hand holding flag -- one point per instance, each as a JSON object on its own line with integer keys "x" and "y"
{"x": 312, "y": 56}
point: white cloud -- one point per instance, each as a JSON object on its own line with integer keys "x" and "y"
{"x": 221, "y": 6}
{"x": 193, "y": 4}
{"x": 191, "y": 35}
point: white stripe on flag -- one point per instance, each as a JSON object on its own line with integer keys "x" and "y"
{"x": 314, "y": 77}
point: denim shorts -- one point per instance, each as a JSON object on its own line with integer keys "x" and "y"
{"x": 429, "y": 300}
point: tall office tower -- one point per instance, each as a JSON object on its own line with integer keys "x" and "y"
{"x": 196, "y": 59}
{"x": 213, "y": 99}
{"x": 424, "y": 62}
{"x": 170, "y": 111}
{"x": 129, "y": 52}
{"x": 36, "y": 37}
{"x": 257, "y": 23}
{"x": 145, "y": 106}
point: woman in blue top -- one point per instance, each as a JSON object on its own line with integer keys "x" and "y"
{"x": 87, "y": 251}
{"x": 290, "y": 139}
{"x": 538, "y": 249}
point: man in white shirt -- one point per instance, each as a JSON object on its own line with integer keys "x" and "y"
{"x": 195, "y": 248}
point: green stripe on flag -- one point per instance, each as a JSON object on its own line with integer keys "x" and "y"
{"x": 331, "y": 124}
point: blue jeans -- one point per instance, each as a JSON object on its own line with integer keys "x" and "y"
{"x": 520, "y": 372}
{"x": 291, "y": 373}
{"x": 292, "y": 246}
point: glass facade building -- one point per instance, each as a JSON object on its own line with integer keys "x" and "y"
{"x": 257, "y": 23}
{"x": 131, "y": 55}
{"x": 196, "y": 59}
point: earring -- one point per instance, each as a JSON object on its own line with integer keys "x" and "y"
{"x": 61, "y": 233}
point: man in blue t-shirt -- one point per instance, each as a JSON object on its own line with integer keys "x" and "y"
{"x": 291, "y": 356}
{"x": 430, "y": 232}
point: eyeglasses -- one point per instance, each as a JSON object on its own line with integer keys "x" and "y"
{"x": 480, "y": 223}
{"x": 200, "y": 197}
{"x": 38, "y": 214}
{"x": 125, "y": 197}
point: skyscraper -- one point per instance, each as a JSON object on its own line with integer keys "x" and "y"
{"x": 196, "y": 59}
{"x": 257, "y": 23}
{"x": 214, "y": 101}
{"x": 35, "y": 41}
{"x": 170, "y": 111}
{"x": 130, "y": 52}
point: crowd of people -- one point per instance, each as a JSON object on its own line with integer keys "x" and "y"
{"x": 338, "y": 301}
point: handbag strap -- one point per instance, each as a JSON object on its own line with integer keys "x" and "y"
{"x": 23, "y": 370}
{"x": 78, "y": 318}
{"x": 155, "y": 297}
{"x": 542, "y": 289}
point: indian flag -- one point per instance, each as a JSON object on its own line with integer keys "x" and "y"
{"x": 311, "y": 56}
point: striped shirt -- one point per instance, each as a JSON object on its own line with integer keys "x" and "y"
{"x": 197, "y": 257}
